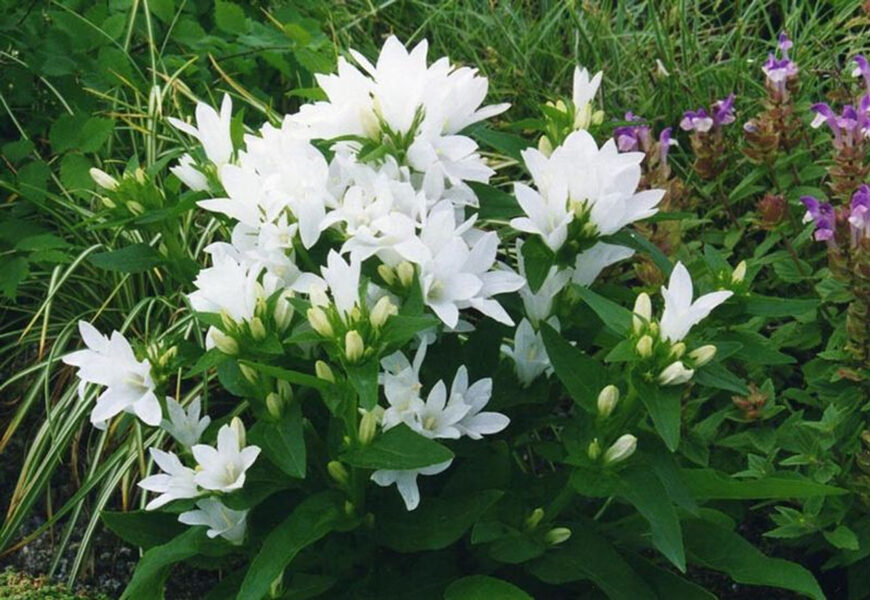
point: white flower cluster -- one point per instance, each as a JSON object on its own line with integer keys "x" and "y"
{"x": 442, "y": 415}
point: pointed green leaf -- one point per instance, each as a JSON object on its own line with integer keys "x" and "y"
{"x": 482, "y": 587}
{"x": 581, "y": 375}
{"x": 283, "y": 442}
{"x": 398, "y": 448}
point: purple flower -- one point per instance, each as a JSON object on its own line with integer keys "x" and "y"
{"x": 862, "y": 70}
{"x": 779, "y": 70}
{"x": 824, "y": 216}
{"x": 632, "y": 137}
{"x": 696, "y": 120}
{"x": 665, "y": 143}
{"x": 723, "y": 111}
{"x": 784, "y": 44}
{"x": 850, "y": 127}
{"x": 859, "y": 213}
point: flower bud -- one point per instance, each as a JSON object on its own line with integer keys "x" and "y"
{"x": 701, "y": 356}
{"x": 545, "y": 146}
{"x": 258, "y": 330}
{"x": 533, "y": 519}
{"x": 382, "y": 311}
{"x": 644, "y": 346}
{"x": 557, "y": 535}
{"x": 108, "y": 202}
{"x": 368, "y": 427}
{"x": 249, "y": 373}
{"x": 135, "y": 208}
{"x": 593, "y": 451}
{"x": 642, "y": 312}
{"x": 387, "y": 273}
{"x": 103, "y": 179}
{"x": 349, "y": 508}
{"x": 285, "y": 392}
{"x": 239, "y": 429}
{"x": 607, "y": 399}
{"x": 320, "y": 322}
{"x": 224, "y": 343}
{"x": 317, "y": 296}
{"x": 675, "y": 374}
{"x": 678, "y": 349}
{"x": 338, "y": 472}
{"x": 275, "y": 405}
{"x": 323, "y": 371}
{"x": 139, "y": 175}
{"x": 353, "y": 346}
{"x": 283, "y": 313}
{"x": 227, "y": 321}
{"x": 405, "y": 271}
{"x": 621, "y": 449}
{"x": 739, "y": 273}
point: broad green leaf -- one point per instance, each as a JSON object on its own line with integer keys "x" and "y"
{"x": 507, "y": 143}
{"x": 663, "y": 405}
{"x": 398, "y": 448}
{"x": 288, "y": 375}
{"x": 483, "y": 587}
{"x": 364, "y": 379}
{"x": 766, "y": 306}
{"x": 538, "y": 259}
{"x": 842, "y": 537}
{"x": 312, "y": 519}
{"x": 283, "y": 442}
{"x": 400, "y": 329}
{"x": 436, "y": 523}
{"x": 152, "y": 568}
{"x": 718, "y": 548}
{"x": 710, "y": 485}
{"x": 94, "y": 133}
{"x": 229, "y": 17}
{"x": 143, "y": 529}
{"x": 581, "y": 375}
{"x": 715, "y": 375}
{"x": 495, "y": 203}
{"x": 614, "y": 316}
{"x": 587, "y": 555}
{"x": 642, "y": 488}
{"x": 666, "y": 583}
{"x": 130, "y": 259}
{"x": 12, "y": 272}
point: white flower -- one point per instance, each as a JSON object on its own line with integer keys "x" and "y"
{"x": 342, "y": 280}
{"x": 680, "y": 313}
{"x": 185, "y": 427}
{"x": 401, "y": 382}
{"x": 221, "y": 521}
{"x": 579, "y": 180}
{"x": 539, "y": 304}
{"x": 175, "y": 483}
{"x": 212, "y": 130}
{"x": 230, "y": 286}
{"x": 583, "y": 93}
{"x": 476, "y": 423}
{"x": 189, "y": 175}
{"x": 591, "y": 262}
{"x": 435, "y": 419}
{"x": 675, "y": 373}
{"x": 112, "y": 363}
{"x": 223, "y": 468}
{"x": 406, "y": 481}
{"x": 529, "y": 353}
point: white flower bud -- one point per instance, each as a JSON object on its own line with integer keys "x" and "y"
{"x": 382, "y": 311}
{"x": 593, "y": 451}
{"x": 283, "y": 313}
{"x": 557, "y": 535}
{"x": 338, "y": 472}
{"x": 249, "y": 373}
{"x": 621, "y": 449}
{"x": 642, "y": 312}
{"x": 317, "y": 296}
{"x": 701, "y": 356}
{"x": 678, "y": 349}
{"x": 545, "y": 146}
{"x": 258, "y": 330}
{"x": 368, "y": 427}
{"x": 644, "y": 346}
{"x": 135, "y": 208}
{"x": 320, "y": 322}
{"x": 224, "y": 343}
{"x": 739, "y": 273}
{"x": 274, "y": 405}
{"x": 227, "y": 321}
{"x": 323, "y": 371}
{"x": 353, "y": 346}
{"x": 285, "y": 392}
{"x": 387, "y": 273}
{"x": 533, "y": 519}
{"x": 239, "y": 428}
{"x": 675, "y": 373}
{"x": 607, "y": 399}
{"x": 103, "y": 179}
{"x": 405, "y": 271}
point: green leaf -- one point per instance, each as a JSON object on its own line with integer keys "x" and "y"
{"x": 143, "y": 528}
{"x": 312, "y": 519}
{"x": 288, "y": 375}
{"x": 663, "y": 405}
{"x": 229, "y": 17}
{"x": 666, "y": 583}
{"x": 587, "y": 555}
{"x": 94, "y": 133}
{"x": 74, "y": 172}
{"x": 400, "y": 329}
{"x": 642, "y": 488}
{"x": 436, "y": 524}
{"x": 364, "y": 379}
{"x": 495, "y": 203}
{"x": 152, "y": 568}
{"x": 482, "y": 587}
{"x": 718, "y": 548}
{"x": 766, "y": 306}
{"x": 614, "y": 316}
{"x": 507, "y": 143}
{"x": 581, "y": 375}
{"x": 398, "y": 448}
{"x": 130, "y": 259}
{"x": 283, "y": 442}
{"x": 538, "y": 259}
{"x": 843, "y": 538}
{"x": 715, "y": 375}
{"x": 709, "y": 484}
{"x": 12, "y": 272}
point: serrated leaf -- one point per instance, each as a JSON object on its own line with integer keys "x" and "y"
{"x": 229, "y": 17}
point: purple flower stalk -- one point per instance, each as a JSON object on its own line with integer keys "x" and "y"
{"x": 850, "y": 127}
{"x": 630, "y": 138}
{"x": 779, "y": 71}
{"x": 696, "y": 120}
{"x": 665, "y": 143}
{"x": 824, "y": 216}
{"x": 862, "y": 70}
{"x": 859, "y": 213}
{"x": 723, "y": 111}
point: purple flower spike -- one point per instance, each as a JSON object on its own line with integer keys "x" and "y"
{"x": 696, "y": 120}
{"x": 632, "y": 137}
{"x": 784, "y": 44}
{"x": 723, "y": 111}
{"x": 665, "y": 143}
{"x": 862, "y": 70}
{"x": 859, "y": 213}
{"x": 822, "y": 213}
